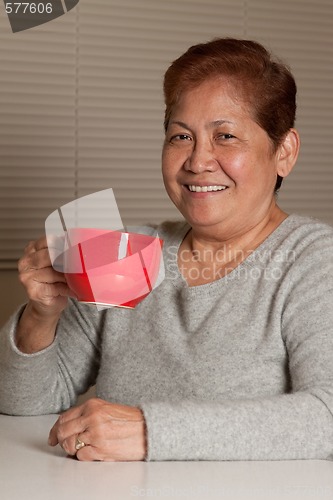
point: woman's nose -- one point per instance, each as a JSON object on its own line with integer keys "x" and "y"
{"x": 201, "y": 159}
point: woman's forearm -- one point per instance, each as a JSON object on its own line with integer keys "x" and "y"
{"x": 287, "y": 427}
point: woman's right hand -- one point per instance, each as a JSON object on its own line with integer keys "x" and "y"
{"x": 48, "y": 295}
{"x": 46, "y": 288}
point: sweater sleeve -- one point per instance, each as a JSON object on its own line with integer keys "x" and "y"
{"x": 295, "y": 425}
{"x": 51, "y": 380}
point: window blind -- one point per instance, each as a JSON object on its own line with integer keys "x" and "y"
{"x": 301, "y": 33}
{"x": 37, "y": 129}
{"x": 81, "y": 105}
{"x": 125, "y": 48}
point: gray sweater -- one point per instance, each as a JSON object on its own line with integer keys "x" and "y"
{"x": 237, "y": 369}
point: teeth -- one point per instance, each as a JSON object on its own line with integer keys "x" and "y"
{"x": 204, "y": 189}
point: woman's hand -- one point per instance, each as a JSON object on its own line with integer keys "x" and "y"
{"x": 46, "y": 288}
{"x": 110, "y": 432}
{"x": 48, "y": 295}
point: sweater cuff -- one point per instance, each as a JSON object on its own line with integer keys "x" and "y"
{"x": 173, "y": 431}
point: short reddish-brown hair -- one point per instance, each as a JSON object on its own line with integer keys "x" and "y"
{"x": 266, "y": 83}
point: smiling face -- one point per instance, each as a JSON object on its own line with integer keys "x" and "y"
{"x": 218, "y": 164}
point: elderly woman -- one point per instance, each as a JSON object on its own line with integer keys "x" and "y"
{"x": 231, "y": 357}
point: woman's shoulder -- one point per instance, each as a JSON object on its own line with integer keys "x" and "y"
{"x": 306, "y": 221}
{"x": 307, "y": 229}
{"x": 298, "y": 239}
{"x": 310, "y": 240}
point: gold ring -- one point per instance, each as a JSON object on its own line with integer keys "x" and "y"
{"x": 79, "y": 444}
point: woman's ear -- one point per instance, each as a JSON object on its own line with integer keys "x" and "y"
{"x": 288, "y": 153}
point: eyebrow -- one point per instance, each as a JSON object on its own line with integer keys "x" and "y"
{"x": 215, "y": 123}
{"x": 181, "y": 124}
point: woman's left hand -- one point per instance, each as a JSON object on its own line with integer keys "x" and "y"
{"x": 110, "y": 432}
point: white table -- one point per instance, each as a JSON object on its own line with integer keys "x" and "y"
{"x": 31, "y": 470}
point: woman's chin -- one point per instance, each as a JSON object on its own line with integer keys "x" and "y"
{"x": 202, "y": 221}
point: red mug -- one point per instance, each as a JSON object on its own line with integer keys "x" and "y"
{"x": 111, "y": 268}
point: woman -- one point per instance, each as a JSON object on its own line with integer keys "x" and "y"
{"x": 230, "y": 357}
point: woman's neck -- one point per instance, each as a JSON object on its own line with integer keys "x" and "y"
{"x": 211, "y": 257}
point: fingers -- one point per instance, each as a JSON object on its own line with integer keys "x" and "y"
{"x": 34, "y": 259}
{"x": 68, "y": 424}
{"x": 107, "y": 446}
{"x": 44, "y": 285}
{"x": 41, "y": 243}
{"x": 34, "y": 246}
{"x": 91, "y": 454}
{"x": 36, "y": 256}
{"x": 109, "y": 431}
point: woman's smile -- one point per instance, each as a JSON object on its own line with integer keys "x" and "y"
{"x": 195, "y": 188}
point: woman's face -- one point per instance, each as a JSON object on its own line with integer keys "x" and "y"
{"x": 218, "y": 164}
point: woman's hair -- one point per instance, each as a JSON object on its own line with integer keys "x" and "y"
{"x": 265, "y": 82}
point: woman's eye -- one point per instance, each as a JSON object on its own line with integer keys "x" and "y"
{"x": 225, "y": 136}
{"x": 181, "y": 137}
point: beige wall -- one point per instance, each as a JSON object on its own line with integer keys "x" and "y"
{"x": 302, "y": 36}
{"x": 12, "y": 294}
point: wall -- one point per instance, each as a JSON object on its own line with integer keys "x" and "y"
{"x": 12, "y": 294}
{"x": 152, "y": 33}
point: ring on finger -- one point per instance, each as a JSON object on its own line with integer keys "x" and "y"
{"x": 79, "y": 444}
